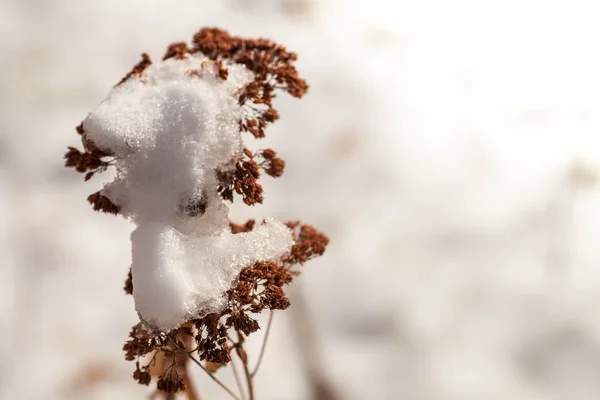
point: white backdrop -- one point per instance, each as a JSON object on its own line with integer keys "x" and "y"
{"x": 449, "y": 149}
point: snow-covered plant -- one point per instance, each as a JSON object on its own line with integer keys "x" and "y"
{"x": 173, "y": 132}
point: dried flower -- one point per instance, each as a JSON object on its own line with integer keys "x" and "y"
{"x": 259, "y": 286}
{"x": 141, "y": 375}
{"x": 170, "y": 382}
{"x": 138, "y": 69}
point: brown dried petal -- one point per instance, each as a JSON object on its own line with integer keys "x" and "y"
{"x": 246, "y": 227}
{"x": 129, "y": 283}
{"x": 138, "y": 69}
{"x": 102, "y": 203}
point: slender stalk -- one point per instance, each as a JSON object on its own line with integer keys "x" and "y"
{"x": 242, "y": 354}
{"x": 249, "y": 380}
{"x": 238, "y": 380}
{"x": 183, "y": 362}
{"x": 264, "y": 344}
{"x": 213, "y": 377}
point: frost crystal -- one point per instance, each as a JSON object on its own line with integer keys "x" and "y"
{"x": 170, "y": 130}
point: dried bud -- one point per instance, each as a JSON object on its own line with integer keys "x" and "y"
{"x": 129, "y": 283}
{"x": 247, "y": 227}
{"x": 177, "y": 50}
{"x": 102, "y": 203}
{"x": 142, "y": 376}
{"x": 170, "y": 383}
{"x": 138, "y": 69}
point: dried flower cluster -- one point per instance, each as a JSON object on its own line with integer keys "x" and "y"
{"x": 259, "y": 286}
{"x": 243, "y": 180}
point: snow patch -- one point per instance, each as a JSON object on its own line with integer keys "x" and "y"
{"x": 170, "y": 131}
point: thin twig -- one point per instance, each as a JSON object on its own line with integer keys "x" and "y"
{"x": 238, "y": 381}
{"x": 244, "y": 357}
{"x": 183, "y": 350}
{"x": 191, "y": 391}
{"x": 264, "y": 344}
{"x": 213, "y": 377}
{"x": 249, "y": 379}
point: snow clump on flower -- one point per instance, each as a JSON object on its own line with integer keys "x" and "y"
{"x": 170, "y": 130}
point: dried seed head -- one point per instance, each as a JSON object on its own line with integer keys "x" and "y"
{"x": 258, "y": 286}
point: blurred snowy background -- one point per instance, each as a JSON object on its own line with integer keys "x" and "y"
{"x": 450, "y": 149}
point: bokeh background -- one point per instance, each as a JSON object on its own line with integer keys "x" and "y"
{"x": 450, "y": 149}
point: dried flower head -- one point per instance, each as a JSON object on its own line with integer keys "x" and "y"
{"x": 259, "y": 285}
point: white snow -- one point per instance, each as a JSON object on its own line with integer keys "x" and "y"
{"x": 176, "y": 275}
{"x": 170, "y": 131}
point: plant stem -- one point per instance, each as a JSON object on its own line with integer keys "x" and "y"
{"x": 241, "y": 352}
{"x": 249, "y": 379}
{"x": 213, "y": 377}
{"x": 182, "y": 364}
{"x": 238, "y": 381}
{"x": 264, "y": 344}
